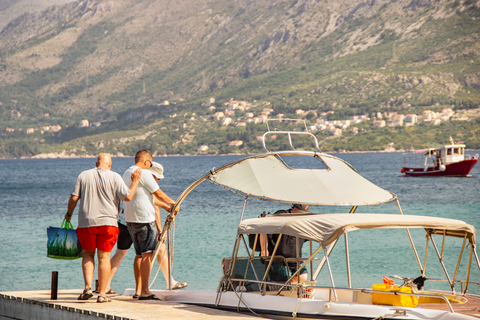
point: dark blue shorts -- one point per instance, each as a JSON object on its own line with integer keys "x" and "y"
{"x": 124, "y": 241}
{"x": 144, "y": 236}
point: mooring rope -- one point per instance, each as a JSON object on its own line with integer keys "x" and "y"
{"x": 170, "y": 228}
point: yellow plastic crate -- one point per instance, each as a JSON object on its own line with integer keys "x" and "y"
{"x": 399, "y": 300}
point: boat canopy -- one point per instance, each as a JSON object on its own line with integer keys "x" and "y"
{"x": 267, "y": 177}
{"x": 326, "y": 228}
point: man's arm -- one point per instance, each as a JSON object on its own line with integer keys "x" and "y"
{"x": 263, "y": 244}
{"x": 72, "y": 203}
{"x": 161, "y": 204}
{"x": 163, "y": 197}
{"x": 158, "y": 220}
{"x": 136, "y": 175}
{"x": 167, "y": 202}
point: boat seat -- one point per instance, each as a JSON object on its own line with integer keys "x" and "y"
{"x": 243, "y": 270}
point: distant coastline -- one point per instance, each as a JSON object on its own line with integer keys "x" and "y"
{"x": 63, "y": 155}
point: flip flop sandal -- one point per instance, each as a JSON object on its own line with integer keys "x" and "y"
{"x": 135, "y": 296}
{"x": 86, "y": 294}
{"x": 111, "y": 291}
{"x": 102, "y": 298}
{"x": 180, "y": 285}
{"x": 150, "y": 297}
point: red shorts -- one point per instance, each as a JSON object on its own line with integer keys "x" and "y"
{"x": 102, "y": 238}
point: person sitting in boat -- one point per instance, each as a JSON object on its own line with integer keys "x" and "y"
{"x": 287, "y": 248}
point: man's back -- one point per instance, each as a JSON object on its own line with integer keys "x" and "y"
{"x": 100, "y": 191}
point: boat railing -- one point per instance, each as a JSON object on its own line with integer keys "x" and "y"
{"x": 419, "y": 160}
{"x": 367, "y": 291}
{"x": 289, "y": 133}
{"x": 471, "y": 156}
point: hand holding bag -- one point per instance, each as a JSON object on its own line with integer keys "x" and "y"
{"x": 63, "y": 242}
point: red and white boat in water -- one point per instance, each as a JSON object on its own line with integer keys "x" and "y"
{"x": 448, "y": 160}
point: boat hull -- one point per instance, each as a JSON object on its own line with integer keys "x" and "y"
{"x": 278, "y": 307}
{"x": 461, "y": 168}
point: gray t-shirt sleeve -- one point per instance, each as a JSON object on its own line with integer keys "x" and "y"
{"x": 76, "y": 191}
{"x": 122, "y": 190}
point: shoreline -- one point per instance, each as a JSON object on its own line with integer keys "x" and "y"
{"x": 63, "y": 155}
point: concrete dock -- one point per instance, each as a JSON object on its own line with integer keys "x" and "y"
{"x": 36, "y": 305}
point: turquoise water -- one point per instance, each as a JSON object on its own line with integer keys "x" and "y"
{"x": 34, "y": 196}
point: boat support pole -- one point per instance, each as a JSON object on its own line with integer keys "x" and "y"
{"x": 440, "y": 258}
{"x": 169, "y": 261}
{"x": 330, "y": 248}
{"x": 426, "y": 256}
{"x": 349, "y": 277}
{"x": 236, "y": 246}
{"x": 411, "y": 240}
{"x": 330, "y": 273}
{"x": 468, "y": 271}
{"x": 476, "y": 256}
{"x": 474, "y": 252}
{"x": 347, "y": 253}
{"x": 250, "y": 257}
{"x": 460, "y": 259}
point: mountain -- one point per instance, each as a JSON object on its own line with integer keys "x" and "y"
{"x": 10, "y": 9}
{"x": 117, "y": 62}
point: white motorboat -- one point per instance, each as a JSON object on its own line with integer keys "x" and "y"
{"x": 263, "y": 285}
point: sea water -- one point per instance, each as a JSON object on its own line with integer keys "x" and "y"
{"x": 34, "y": 195}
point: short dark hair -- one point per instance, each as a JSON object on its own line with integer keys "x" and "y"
{"x": 142, "y": 154}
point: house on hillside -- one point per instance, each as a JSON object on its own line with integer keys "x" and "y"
{"x": 397, "y": 120}
{"x": 203, "y": 148}
{"x": 379, "y": 123}
{"x": 235, "y": 143}
{"x": 15, "y": 113}
{"x": 84, "y": 123}
{"x": 226, "y": 121}
{"x": 410, "y": 119}
{"x": 219, "y": 115}
{"x": 428, "y": 115}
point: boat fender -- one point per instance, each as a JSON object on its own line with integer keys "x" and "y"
{"x": 403, "y": 170}
{"x": 425, "y": 169}
{"x": 442, "y": 167}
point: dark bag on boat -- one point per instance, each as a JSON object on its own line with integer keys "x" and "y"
{"x": 63, "y": 242}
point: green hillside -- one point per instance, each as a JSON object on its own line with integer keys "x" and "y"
{"x": 141, "y": 72}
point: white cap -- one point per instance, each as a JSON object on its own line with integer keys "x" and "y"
{"x": 157, "y": 170}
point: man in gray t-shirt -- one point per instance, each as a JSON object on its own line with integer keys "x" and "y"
{"x": 99, "y": 192}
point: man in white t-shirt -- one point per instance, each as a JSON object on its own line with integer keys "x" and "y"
{"x": 142, "y": 222}
{"x": 124, "y": 243}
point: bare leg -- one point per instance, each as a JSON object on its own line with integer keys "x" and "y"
{"x": 103, "y": 270}
{"x": 115, "y": 263}
{"x": 136, "y": 272}
{"x": 163, "y": 262}
{"x": 145, "y": 268}
{"x": 88, "y": 267}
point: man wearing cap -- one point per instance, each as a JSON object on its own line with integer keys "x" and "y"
{"x": 125, "y": 242}
{"x": 142, "y": 223}
{"x": 288, "y": 244}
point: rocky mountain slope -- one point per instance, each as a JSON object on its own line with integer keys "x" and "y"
{"x": 101, "y": 58}
{"x": 10, "y": 9}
